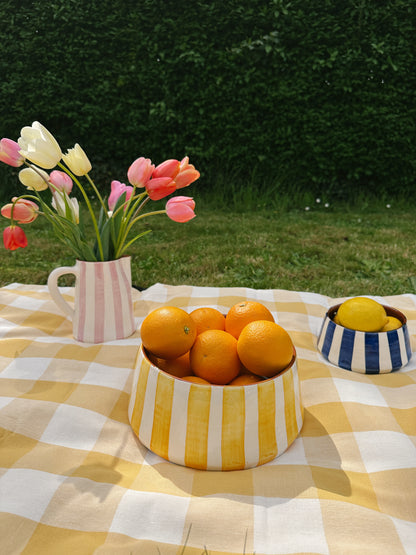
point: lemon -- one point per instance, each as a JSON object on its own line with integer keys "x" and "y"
{"x": 362, "y": 314}
{"x": 392, "y": 324}
{"x": 336, "y": 319}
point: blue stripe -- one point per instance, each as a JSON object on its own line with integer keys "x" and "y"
{"x": 328, "y": 338}
{"x": 372, "y": 364}
{"x": 407, "y": 343}
{"x": 394, "y": 345}
{"x": 346, "y": 349}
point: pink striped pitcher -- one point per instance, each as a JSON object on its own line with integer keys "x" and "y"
{"x": 103, "y": 306}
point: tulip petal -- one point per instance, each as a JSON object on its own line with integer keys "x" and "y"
{"x": 160, "y": 187}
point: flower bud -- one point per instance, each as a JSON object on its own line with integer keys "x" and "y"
{"x": 23, "y": 210}
{"x": 61, "y": 181}
{"x": 77, "y": 161}
{"x": 140, "y": 172}
{"x": 34, "y": 178}
{"x": 180, "y": 209}
{"x": 10, "y": 153}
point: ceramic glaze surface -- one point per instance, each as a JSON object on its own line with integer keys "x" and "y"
{"x": 214, "y": 427}
{"x": 365, "y": 352}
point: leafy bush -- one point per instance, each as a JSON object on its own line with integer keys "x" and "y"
{"x": 317, "y": 96}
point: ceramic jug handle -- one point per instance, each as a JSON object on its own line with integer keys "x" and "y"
{"x": 54, "y": 290}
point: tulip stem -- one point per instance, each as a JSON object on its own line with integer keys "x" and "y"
{"x": 121, "y": 249}
{"x": 91, "y": 211}
{"x": 97, "y": 192}
{"x": 129, "y": 210}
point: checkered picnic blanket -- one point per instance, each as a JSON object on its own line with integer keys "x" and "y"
{"x": 74, "y": 478}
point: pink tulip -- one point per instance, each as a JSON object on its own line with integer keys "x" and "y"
{"x": 140, "y": 172}
{"x": 14, "y": 237}
{"x": 117, "y": 189}
{"x": 61, "y": 181}
{"x": 187, "y": 174}
{"x": 169, "y": 168}
{"x": 24, "y": 211}
{"x": 180, "y": 209}
{"x": 160, "y": 187}
{"x": 9, "y": 153}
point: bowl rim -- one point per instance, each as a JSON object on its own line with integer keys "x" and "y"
{"x": 390, "y": 311}
{"x": 144, "y": 353}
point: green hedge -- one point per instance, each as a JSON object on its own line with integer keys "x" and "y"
{"x": 316, "y": 96}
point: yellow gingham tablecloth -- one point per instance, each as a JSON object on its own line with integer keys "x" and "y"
{"x": 74, "y": 478}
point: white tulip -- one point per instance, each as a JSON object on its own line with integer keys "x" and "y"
{"x": 77, "y": 161}
{"x": 39, "y": 146}
{"x": 58, "y": 203}
{"x": 34, "y": 178}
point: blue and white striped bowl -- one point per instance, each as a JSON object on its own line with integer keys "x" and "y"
{"x": 365, "y": 352}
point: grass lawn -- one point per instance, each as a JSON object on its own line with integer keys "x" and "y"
{"x": 337, "y": 252}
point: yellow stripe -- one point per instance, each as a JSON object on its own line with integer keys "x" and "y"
{"x": 290, "y": 408}
{"x": 162, "y": 414}
{"x": 136, "y": 416}
{"x": 196, "y": 444}
{"x": 233, "y": 422}
{"x": 267, "y": 424}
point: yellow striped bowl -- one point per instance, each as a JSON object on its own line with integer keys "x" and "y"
{"x": 213, "y": 427}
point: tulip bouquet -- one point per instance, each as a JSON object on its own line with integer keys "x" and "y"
{"x": 39, "y": 151}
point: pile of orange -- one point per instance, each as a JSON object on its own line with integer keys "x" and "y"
{"x": 204, "y": 346}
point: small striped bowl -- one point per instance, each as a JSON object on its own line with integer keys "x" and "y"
{"x": 213, "y": 427}
{"x": 365, "y": 352}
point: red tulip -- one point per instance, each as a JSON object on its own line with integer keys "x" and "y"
{"x": 140, "y": 172}
{"x": 9, "y": 153}
{"x": 160, "y": 187}
{"x": 169, "y": 168}
{"x": 180, "y": 209}
{"x": 23, "y": 210}
{"x": 14, "y": 237}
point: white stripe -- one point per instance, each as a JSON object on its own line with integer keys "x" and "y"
{"x": 402, "y": 344}
{"x": 124, "y": 276}
{"x": 333, "y": 355}
{"x": 214, "y": 450}
{"x": 178, "y": 420}
{"x": 384, "y": 358}
{"x": 321, "y": 338}
{"x": 251, "y": 428}
{"x": 358, "y": 353}
{"x": 136, "y": 374}
{"x": 88, "y": 332}
{"x": 109, "y": 313}
{"x": 298, "y": 400}
{"x": 146, "y": 425}
{"x": 280, "y": 426}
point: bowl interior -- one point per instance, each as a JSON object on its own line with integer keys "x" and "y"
{"x": 263, "y": 380}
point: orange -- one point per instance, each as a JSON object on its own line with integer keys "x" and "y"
{"x": 245, "y": 379}
{"x": 214, "y": 357}
{"x": 265, "y": 348}
{"x": 243, "y": 313}
{"x": 207, "y": 318}
{"x": 195, "y": 379}
{"x": 168, "y": 332}
{"x": 178, "y": 367}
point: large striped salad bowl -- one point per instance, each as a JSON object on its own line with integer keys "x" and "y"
{"x": 214, "y": 427}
